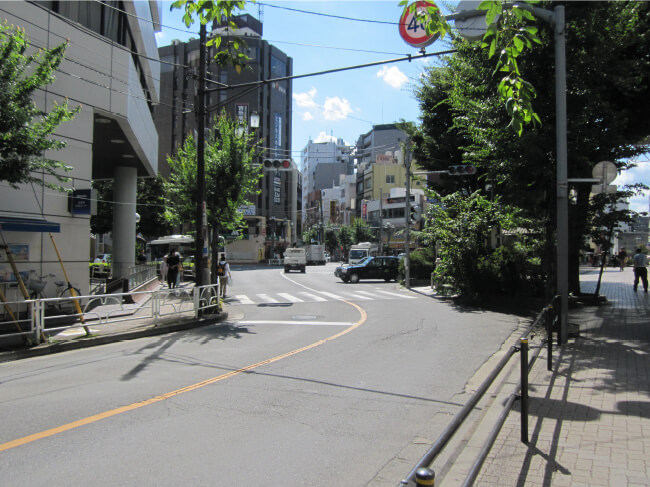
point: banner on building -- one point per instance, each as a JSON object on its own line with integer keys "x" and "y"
{"x": 277, "y": 182}
{"x": 241, "y": 110}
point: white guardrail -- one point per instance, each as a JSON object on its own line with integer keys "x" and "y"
{"x": 39, "y": 319}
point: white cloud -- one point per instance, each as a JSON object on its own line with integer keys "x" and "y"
{"x": 323, "y": 137}
{"x": 336, "y": 108}
{"x": 306, "y": 100}
{"x": 392, "y": 76}
{"x": 307, "y": 116}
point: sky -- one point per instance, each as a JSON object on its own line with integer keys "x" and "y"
{"x": 347, "y": 104}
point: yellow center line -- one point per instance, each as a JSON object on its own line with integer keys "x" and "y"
{"x": 114, "y": 412}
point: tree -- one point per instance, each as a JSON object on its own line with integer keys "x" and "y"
{"x": 231, "y": 178}
{"x": 25, "y": 128}
{"x": 608, "y": 81}
{"x": 607, "y": 212}
{"x": 463, "y": 227}
{"x": 233, "y": 52}
{"x": 345, "y": 240}
{"x": 361, "y": 231}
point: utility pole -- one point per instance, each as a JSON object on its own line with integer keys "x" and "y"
{"x": 200, "y": 255}
{"x": 406, "y": 151}
{"x": 381, "y": 222}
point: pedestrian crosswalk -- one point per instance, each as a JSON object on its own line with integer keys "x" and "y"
{"x": 315, "y": 297}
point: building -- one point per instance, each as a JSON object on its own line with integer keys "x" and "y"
{"x": 111, "y": 70}
{"x": 379, "y": 145}
{"x": 249, "y": 96}
{"x": 323, "y": 166}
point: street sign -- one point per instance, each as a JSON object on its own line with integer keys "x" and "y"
{"x": 413, "y": 32}
{"x": 472, "y": 28}
{"x": 605, "y": 171}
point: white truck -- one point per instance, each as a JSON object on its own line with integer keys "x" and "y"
{"x": 315, "y": 254}
{"x": 295, "y": 260}
{"x": 361, "y": 251}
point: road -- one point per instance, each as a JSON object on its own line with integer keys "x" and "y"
{"x": 310, "y": 382}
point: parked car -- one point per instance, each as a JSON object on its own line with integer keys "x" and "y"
{"x": 101, "y": 265}
{"x": 378, "y": 267}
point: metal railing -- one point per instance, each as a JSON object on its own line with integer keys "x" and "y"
{"x": 38, "y": 319}
{"x": 421, "y": 473}
{"x": 141, "y": 273}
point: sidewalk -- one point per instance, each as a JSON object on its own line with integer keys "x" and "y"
{"x": 589, "y": 420}
{"x": 142, "y": 326}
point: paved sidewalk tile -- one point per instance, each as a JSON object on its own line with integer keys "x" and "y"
{"x": 589, "y": 420}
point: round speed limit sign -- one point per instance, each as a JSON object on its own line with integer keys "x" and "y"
{"x": 411, "y": 30}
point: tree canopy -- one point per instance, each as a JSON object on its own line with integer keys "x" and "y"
{"x": 25, "y": 129}
{"x": 465, "y": 120}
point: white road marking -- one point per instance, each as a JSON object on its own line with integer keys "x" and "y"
{"x": 330, "y": 295}
{"x": 243, "y": 299}
{"x": 290, "y": 297}
{"x": 313, "y": 297}
{"x": 360, "y": 295}
{"x": 267, "y": 299}
{"x": 405, "y": 296}
{"x": 303, "y": 323}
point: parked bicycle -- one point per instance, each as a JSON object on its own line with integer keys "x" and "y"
{"x": 36, "y": 285}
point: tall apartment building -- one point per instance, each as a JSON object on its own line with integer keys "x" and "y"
{"x": 323, "y": 164}
{"x": 260, "y": 99}
{"x": 111, "y": 70}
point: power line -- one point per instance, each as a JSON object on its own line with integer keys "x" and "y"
{"x": 328, "y": 15}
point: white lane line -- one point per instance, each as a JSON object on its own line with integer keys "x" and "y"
{"x": 243, "y": 299}
{"x": 405, "y": 296}
{"x": 330, "y": 295}
{"x": 290, "y": 297}
{"x": 372, "y": 296}
{"x": 267, "y": 299}
{"x": 358, "y": 295}
{"x": 303, "y": 323}
{"x": 313, "y": 297}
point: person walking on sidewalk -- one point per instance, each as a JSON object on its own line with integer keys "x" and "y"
{"x": 223, "y": 271}
{"x": 640, "y": 272}
{"x": 173, "y": 263}
{"x": 622, "y": 257}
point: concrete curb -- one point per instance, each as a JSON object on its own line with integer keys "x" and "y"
{"x": 86, "y": 342}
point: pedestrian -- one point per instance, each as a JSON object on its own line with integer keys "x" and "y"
{"x": 640, "y": 272}
{"x": 164, "y": 268}
{"x": 223, "y": 272}
{"x": 622, "y": 257}
{"x": 142, "y": 258}
{"x": 173, "y": 263}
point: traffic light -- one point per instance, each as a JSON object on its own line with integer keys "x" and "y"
{"x": 464, "y": 170}
{"x": 277, "y": 165}
{"x": 416, "y": 213}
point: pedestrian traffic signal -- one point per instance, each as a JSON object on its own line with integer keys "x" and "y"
{"x": 464, "y": 170}
{"x": 277, "y": 164}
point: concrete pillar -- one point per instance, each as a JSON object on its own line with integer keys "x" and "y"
{"x": 124, "y": 196}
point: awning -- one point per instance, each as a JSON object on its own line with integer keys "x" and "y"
{"x": 8, "y": 224}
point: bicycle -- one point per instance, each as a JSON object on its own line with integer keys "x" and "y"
{"x": 37, "y": 285}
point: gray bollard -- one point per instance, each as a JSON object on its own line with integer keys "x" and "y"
{"x": 424, "y": 477}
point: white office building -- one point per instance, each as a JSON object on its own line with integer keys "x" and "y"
{"x": 111, "y": 70}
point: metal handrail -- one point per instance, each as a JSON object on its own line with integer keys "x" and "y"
{"x": 462, "y": 415}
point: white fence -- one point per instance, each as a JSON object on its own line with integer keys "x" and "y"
{"x": 39, "y": 319}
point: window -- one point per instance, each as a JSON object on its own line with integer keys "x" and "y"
{"x": 390, "y": 179}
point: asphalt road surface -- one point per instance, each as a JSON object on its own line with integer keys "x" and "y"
{"x": 311, "y": 382}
